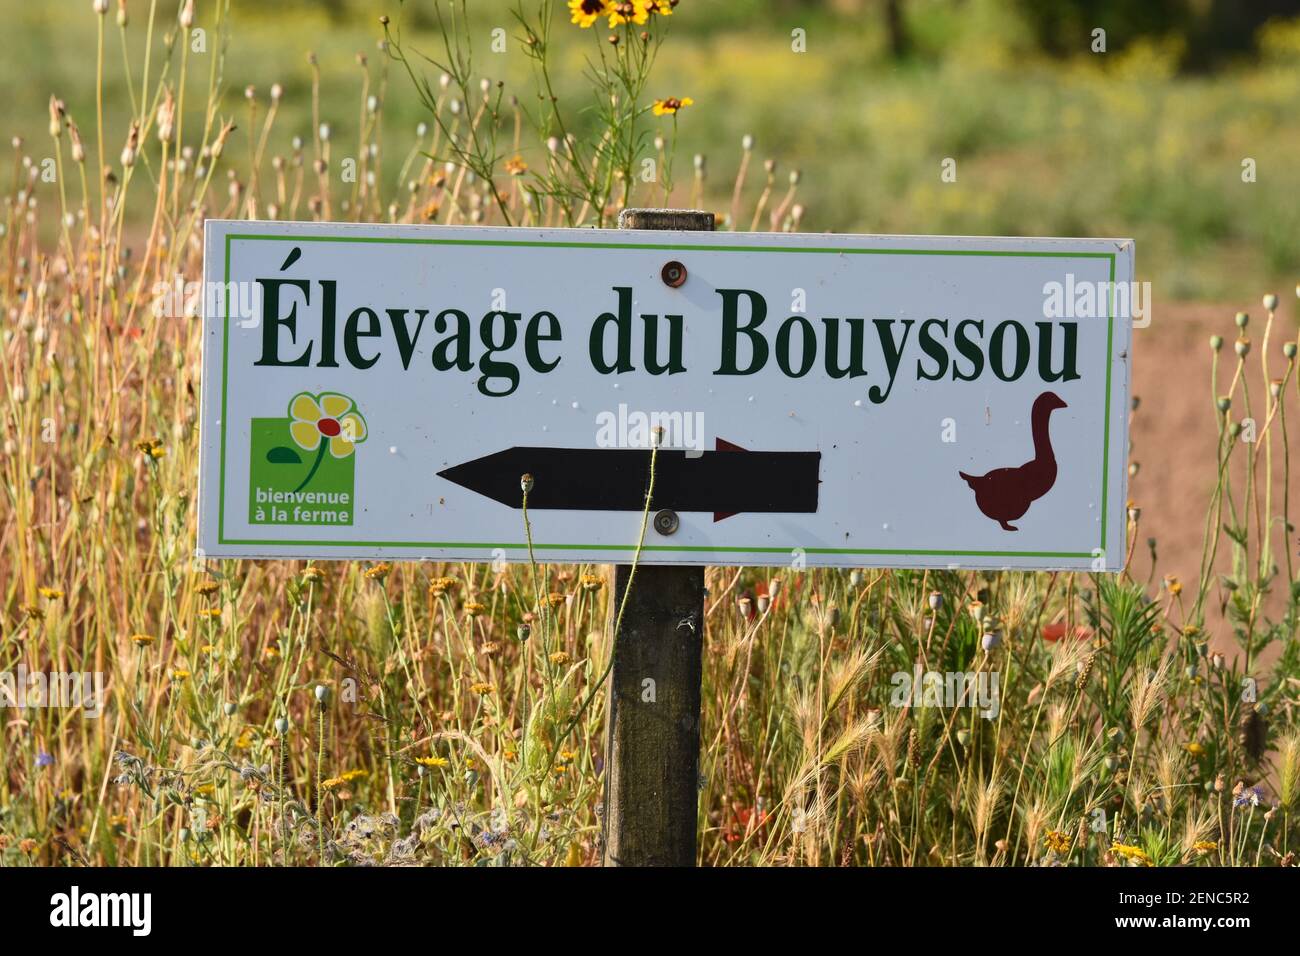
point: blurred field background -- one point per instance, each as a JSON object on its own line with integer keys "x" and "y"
{"x": 1145, "y": 140}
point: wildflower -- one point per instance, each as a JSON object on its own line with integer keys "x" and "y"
{"x": 50, "y": 594}
{"x": 313, "y": 575}
{"x": 555, "y": 599}
{"x": 1204, "y": 847}
{"x": 379, "y": 571}
{"x": 591, "y": 582}
{"x": 142, "y": 640}
{"x": 1133, "y": 854}
{"x": 180, "y": 675}
{"x": 146, "y": 447}
{"x": 516, "y": 166}
{"x": 44, "y": 759}
{"x": 210, "y": 612}
{"x": 559, "y": 658}
{"x": 489, "y": 647}
{"x": 1173, "y": 585}
{"x": 670, "y": 106}
{"x": 27, "y": 846}
{"x": 586, "y": 12}
{"x": 207, "y": 588}
{"x": 474, "y": 608}
{"x": 33, "y": 611}
{"x": 271, "y": 651}
{"x": 1195, "y": 749}
{"x": 1248, "y": 796}
{"x": 1057, "y": 842}
{"x": 438, "y": 762}
{"x": 481, "y": 688}
{"x": 439, "y": 586}
{"x": 332, "y": 783}
{"x": 350, "y": 775}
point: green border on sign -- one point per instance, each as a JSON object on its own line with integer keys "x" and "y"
{"x": 826, "y": 250}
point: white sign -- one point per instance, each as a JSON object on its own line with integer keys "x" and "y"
{"x": 896, "y": 401}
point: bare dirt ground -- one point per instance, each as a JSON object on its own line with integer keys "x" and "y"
{"x": 1174, "y": 434}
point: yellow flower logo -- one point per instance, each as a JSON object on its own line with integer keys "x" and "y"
{"x": 328, "y": 415}
{"x": 328, "y": 421}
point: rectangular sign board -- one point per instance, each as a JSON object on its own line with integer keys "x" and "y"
{"x": 380, "y": 391}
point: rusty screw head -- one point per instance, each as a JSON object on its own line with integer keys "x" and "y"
{"x": 673, "y": 274}
{"x": 666, "y": 521}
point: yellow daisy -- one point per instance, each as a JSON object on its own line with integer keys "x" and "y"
{"x": 670, "y": 106}
{"x": 586, "y": 12}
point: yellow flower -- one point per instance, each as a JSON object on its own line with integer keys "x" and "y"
{"x": 480, "y": 688}
{"x": 180, "y": 675}
{"x": 555, "y": 599}
{"x": 439, "y": 586}
{"x": 627, "y": 11}
{"x": 327, "y": 415}
{"x": 33, "y": 610}
{"x": 670, "y": 106}
{"x": 433, "y": 761}
{"x": 313, "y": 574}
{"x": 157, "y": 451}
{"x": 211, "y": 612}
{"x": 473, "y": 608}
{"x": 559, "y": 658}
{"x": 591, "y": 582}
{"x": 142, "y": 640}
{"x": 1057, "y": 842}
{"x": 379, "y": 571}
{"x": 516, "y": 166}
{"x": 1205, "y": 846}
{"x": 50, "y": 594}
{"x": 1134, "y": 854}
{"x": 332, "y": 783}
{"x": 207, "y": 588}
{"x": 350, "y": 775}
{"x": 587, "y": 12}
{"x": 1194, "y": 748}
{"x": 489, "y": 647}
{"x": 147, "y": 447}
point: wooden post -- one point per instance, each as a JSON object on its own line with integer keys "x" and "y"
{"x": 652, "y": 756}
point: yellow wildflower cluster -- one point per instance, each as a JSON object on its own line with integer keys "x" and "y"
{"x": 585, "y": 13}
{"x": 1057, "y": 842}
{"x": 1134, "y": 854}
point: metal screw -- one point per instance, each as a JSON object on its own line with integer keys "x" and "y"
{"x": 666, "y": 521}
{"x": 673, "y": 274}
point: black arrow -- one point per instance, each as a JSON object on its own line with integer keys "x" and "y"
{"x": 728, "y": 481}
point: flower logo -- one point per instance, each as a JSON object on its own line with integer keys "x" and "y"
{"x": 328, "y": 421}
{"x": 328, "y": 415}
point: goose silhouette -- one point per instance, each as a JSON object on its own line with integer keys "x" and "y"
{"x": 1005, "y": 494}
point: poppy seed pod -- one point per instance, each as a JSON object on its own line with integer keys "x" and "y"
{"x": 322, "y": 694}
{"x": 1242, "y": 348}
{"x": 991, "y": 640}
{"x": 1242, "y": 320}
{"x": 1289, "y": 350}
{"x": 1270, "y": 302}
{"x": 1216, "y": 342}
{"x": 281, "y": 726}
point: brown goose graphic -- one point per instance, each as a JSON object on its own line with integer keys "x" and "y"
{"x": 1005, "y": 494}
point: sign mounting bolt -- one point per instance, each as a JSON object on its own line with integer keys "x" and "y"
{"x": 666, "y": 521}
{"x": 673, "y": 274}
